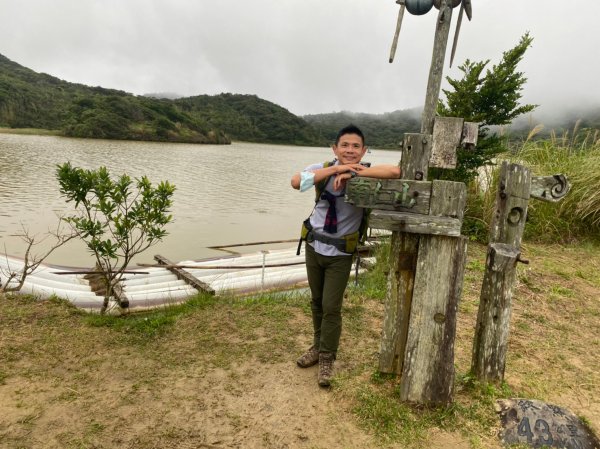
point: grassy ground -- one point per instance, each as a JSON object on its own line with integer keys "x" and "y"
{"x": 220, "y": 372}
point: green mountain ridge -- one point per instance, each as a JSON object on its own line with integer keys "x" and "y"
{"x": 37, "y": 100}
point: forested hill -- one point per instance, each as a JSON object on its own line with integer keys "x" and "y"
{"x": 381, "y": 130}
{"x": 250, "y": 118}
{"x": 36, "y": 100}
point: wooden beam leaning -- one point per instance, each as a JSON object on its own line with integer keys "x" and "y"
{"x": 416, "y": 151}
{"x": 185, "y": 276}
{"x": 446, "y": 202}
{"x": 436, "y": 69}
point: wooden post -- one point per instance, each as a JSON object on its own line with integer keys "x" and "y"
{"x": 428, "y": 368}
{"x": 436, "y": 69}
{"x": 425, "y": 278}
{"x": 495, "y": 305}
{"x": 416, "y": 150}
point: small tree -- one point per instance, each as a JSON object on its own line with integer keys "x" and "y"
{"x": 115, "y": 220}
{"x": 492, "y": 99}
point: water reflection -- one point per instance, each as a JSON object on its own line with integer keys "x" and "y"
{"x": 225, "y": 194}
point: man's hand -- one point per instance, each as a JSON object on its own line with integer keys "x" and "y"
{"x": 349, "y": 168}
{"x": 340, "y": 180}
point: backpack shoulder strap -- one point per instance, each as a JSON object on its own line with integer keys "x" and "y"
{"x": 320, "y": 186}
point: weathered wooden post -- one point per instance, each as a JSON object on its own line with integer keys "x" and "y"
{"x": 427, "y": 251}
{"x": 516, "y": 186}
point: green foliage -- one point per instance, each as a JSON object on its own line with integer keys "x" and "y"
{"x": 115, "y": 220}
{"x": 490, "y": 99}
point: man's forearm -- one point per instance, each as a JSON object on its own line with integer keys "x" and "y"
{"x": 381, "y": 172}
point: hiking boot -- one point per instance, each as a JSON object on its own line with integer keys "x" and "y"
{"x": 310, "y": 358}
{"x": 326, "y": 360}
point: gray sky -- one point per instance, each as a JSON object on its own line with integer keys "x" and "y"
{"x": 309, "y": 56}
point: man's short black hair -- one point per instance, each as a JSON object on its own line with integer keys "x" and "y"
{"x": 350, "y": 129}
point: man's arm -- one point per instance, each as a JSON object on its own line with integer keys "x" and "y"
{"x": 378, "y": 171}
{"x": 322, "y": 173}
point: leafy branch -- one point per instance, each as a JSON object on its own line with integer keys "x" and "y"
{"x": 116, "y": 218}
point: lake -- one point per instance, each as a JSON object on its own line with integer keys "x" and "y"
{"x": 226, "y": 194}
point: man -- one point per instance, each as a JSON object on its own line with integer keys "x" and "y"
{"x": 332, "y": 234}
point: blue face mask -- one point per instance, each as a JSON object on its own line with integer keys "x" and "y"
{"x": 307, "y": 180}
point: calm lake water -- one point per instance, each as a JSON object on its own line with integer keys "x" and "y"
{"x": 226, "y": 194}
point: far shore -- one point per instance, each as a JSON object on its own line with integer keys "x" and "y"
{"x": 31, "y": 131}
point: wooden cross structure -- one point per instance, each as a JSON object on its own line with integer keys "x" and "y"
{"x": 428, "y": 253}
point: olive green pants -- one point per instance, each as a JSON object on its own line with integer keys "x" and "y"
{"x": 327, "y": 279}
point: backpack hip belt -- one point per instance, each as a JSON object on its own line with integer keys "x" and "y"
{"x": 346, "y": 244}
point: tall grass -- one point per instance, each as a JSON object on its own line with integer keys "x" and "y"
{"x": 575, "y": 217}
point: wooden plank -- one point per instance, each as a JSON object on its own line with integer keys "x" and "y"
{"x": 428, "y": 368}
{"x": 469, "y": 135}
{"x": 448, "y": 199}
{"x": 397, "y": 304}
{"x": 436, "y": 69}
{"x": 447, "y": 132}
{"x": 389, "y": 194}
{"x": 512, "y": 198}
{"x": 550, "y": 188}
{"x": 415, "y": 223}
{"x": 416, "y": 151}
{"x": 185, "y": 276}
{"x": 493, "y": 318}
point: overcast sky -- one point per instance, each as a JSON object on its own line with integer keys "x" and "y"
{"x": 309, "y": 56}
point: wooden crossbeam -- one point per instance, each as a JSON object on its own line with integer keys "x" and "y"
{"x": 184, "y": 275}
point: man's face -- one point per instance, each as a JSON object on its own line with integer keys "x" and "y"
{"x": 350, "y": 149}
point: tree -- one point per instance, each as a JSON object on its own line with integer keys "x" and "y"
{"x": 492, "y": 99}
{"x": 116, "y": 220}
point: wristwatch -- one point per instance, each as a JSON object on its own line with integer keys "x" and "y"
{"x": 353, "y": 174}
